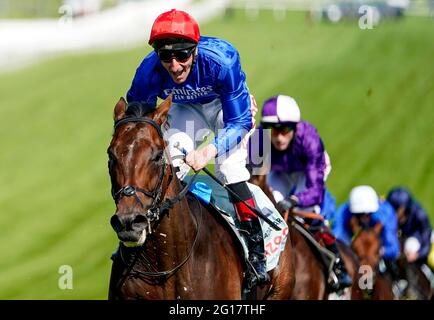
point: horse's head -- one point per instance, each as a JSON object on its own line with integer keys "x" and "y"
{"x": 138, "y": 169}
{"x": 366, "y": 242}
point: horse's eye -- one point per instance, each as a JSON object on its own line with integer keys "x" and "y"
{"x": 111, "y": 159}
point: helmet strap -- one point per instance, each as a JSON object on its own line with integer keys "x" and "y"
{"x": 194, "y": 57}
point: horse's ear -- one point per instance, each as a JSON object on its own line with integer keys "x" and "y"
{"x": 160, "y": 114}
{"x": 120, "y": 108}
{"x": 378, "y": 228}
{"x": 354, "y": 224}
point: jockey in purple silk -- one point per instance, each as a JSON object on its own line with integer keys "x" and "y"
{"x": 210, "y": 96}
{"x": 299, "y": 166}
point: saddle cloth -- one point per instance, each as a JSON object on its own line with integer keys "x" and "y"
{"x": 274, "y": 240}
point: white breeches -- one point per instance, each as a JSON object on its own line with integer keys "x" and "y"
{"x": 283, "y": 185}
{"x": 191, "y": 125}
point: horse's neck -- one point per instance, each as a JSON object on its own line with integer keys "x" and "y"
{"x": 172, "y": 238}
{"x": 178, "y": 248}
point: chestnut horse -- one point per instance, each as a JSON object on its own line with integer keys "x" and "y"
{"x": 366, "y": 244}
{"x": 172, "y": 247}
{"x": 310, "y": 271}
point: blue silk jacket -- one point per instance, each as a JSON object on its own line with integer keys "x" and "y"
{"x": 217, "y": 74}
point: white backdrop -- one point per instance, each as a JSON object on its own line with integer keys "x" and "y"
{"x": 128, "y": 25}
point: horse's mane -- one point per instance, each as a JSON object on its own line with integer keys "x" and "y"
{"x": 138, "y": 109}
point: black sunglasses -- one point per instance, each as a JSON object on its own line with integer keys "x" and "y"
{"x": 179, "y": 55}
{"x": 279, "y": 127}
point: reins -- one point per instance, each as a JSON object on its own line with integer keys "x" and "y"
{"x": 166, "y": 274}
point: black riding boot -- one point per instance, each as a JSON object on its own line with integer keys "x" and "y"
{"x": 250, "y": 223}
{"x": 255, "y": 245}
{"x": 344, "y": 280}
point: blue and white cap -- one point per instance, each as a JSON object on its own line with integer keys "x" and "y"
{"x": 280, "y": 109}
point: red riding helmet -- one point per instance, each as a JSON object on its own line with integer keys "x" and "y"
{"x": 175, "y": 24}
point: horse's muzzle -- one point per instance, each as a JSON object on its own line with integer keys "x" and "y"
{"x": 129, "y": 227}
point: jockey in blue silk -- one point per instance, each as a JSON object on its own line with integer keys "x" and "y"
{"x": 210, "y": 96}
{"x": 414, "y": 225}
{"x": 328, "y": 206}
{"x": 364, "y": 202}
{"x": 216, "y": 74}
{"x": 299, "y": 166}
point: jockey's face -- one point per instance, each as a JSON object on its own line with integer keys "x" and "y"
{"x": 364, "y": 219}
{"x": 281, "y": 138}
{"x": 179, "y": 70}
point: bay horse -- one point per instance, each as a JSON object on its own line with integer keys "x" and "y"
{"x": 310, "y": 274}
{"x": 171, "y": 246}
{"x": 366, "y": 244}
{"x": 418, "y": 285}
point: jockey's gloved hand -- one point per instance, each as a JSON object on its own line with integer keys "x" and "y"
{"x": 287, "y": 204}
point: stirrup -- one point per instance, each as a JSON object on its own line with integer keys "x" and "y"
{"x": 264, "y": 279}
{"x": 338, "y": 278}
{"x": 333, "y": 280}
{"x": 255, "y": 278}
{"x": 399, "y": 287}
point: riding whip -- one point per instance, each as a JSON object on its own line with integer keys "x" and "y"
{"x": 236, "y": 196}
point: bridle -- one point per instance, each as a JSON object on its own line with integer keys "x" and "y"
{"x": 157, "y": 206}
{"x": 153, "y": 212}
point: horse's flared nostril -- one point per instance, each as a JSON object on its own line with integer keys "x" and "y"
{"x": 139, "y": 219}
{"x": 134, "y": 222}
{"x": 116, "y": 223}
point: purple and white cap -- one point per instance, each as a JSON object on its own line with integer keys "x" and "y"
{"x": 280, "y": 109}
